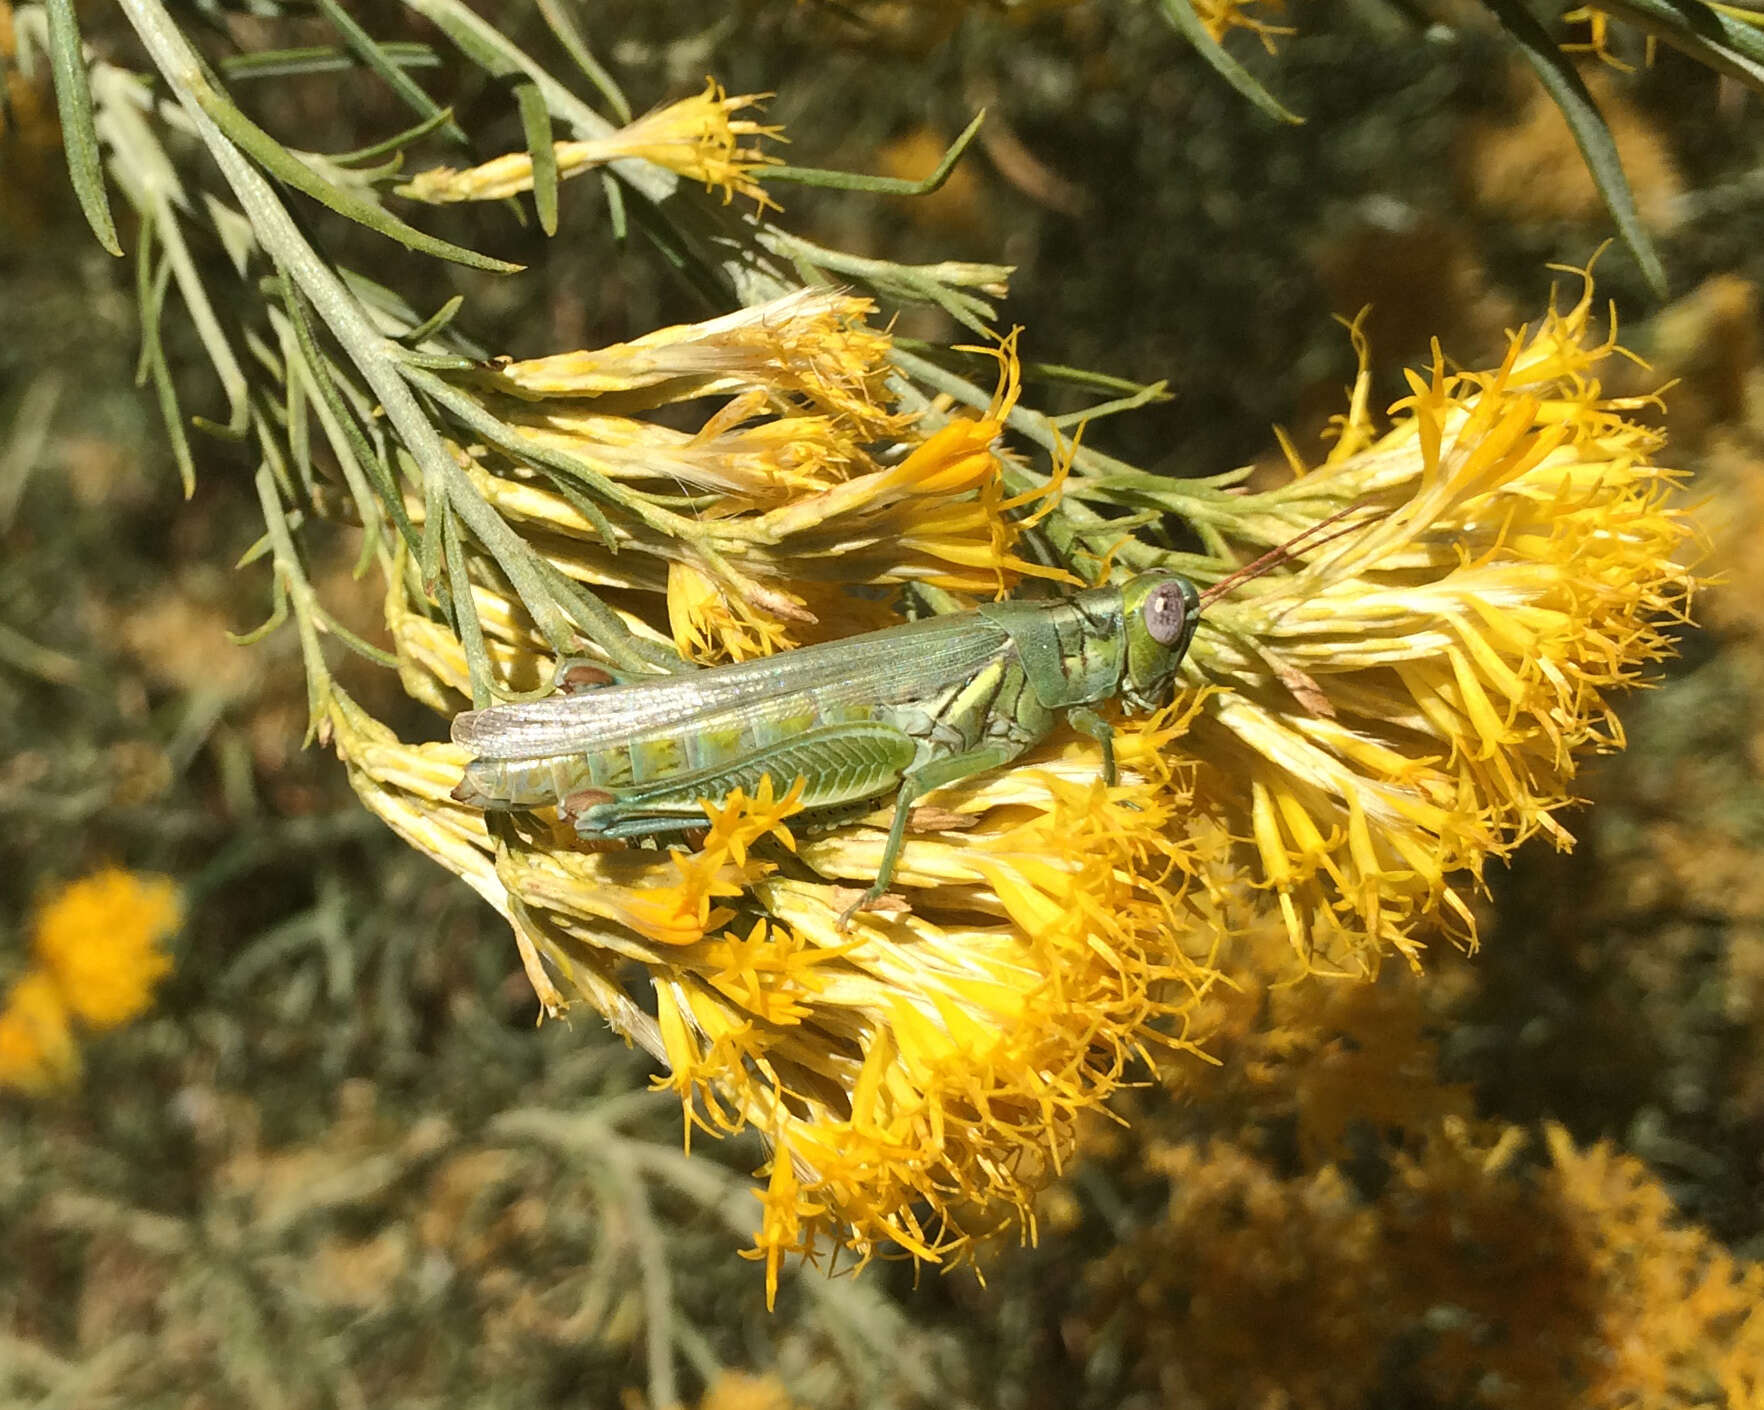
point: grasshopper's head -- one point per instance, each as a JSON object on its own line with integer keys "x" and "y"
{"x": 1160, "y": 612}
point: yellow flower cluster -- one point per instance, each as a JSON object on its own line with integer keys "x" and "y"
{"x": 768, "y": 526}
{"x": 916, "y": 1074}
{"x": 697, "y": 137}
{"x": 1363, "y": 728}
{"x": 98, "y": 958}
{"x": 1574, "y": 1282}
{"x": 1412, "y": 699}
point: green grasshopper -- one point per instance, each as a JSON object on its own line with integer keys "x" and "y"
{"x": 907, "y": 709}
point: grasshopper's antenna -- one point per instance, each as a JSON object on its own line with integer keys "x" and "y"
{"x": 1322, "y": 532}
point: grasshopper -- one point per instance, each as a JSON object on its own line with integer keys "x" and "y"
{"x": 906, "y": 709}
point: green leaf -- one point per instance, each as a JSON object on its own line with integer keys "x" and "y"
{"x": 434, "y": 323}
{"x": 880, "y": 185}
{"x": 571, "y": 38}
{"x": 372, "y": 53}
{"x": 465, "y": 614}
{"x": 320, "y": 58}
{"x": 1182, "y": 15}
{"x": 279, "y": 162}
{"x": 1562, "y": 81}
{"x": 341, "y": 420}
{"x": 615, "y": 206}
{"x": 1721, "y": 41}
{"x": 536, "y": 125}
{"x": 152, "y": 279}
{"x": 359, "y": 645}
{"x": 73, "y": 99}
{"x": 395, "y": 143}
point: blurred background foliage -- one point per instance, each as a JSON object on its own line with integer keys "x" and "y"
{"x": 336, "y": 1163}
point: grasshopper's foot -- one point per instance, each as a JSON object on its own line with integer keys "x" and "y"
{"x": 877, "y": 898}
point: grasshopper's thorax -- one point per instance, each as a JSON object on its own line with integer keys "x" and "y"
{"x": 1159, "y": 613}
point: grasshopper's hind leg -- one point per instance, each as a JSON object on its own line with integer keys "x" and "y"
{"x": 837, "y": 764}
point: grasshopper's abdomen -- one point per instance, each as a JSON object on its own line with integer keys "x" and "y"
{"x": 655, "y": 757}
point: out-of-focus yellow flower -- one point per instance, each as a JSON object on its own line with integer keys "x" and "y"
{"x": 700, "y": 138}
{"x": 1411, "y": 699}
{"x": 1222, "y": 16}
{"x": 99, "y": 939}
{"x": 37, "y": 1052}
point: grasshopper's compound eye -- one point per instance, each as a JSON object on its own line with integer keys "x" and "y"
{"x": 1166, "y": 613}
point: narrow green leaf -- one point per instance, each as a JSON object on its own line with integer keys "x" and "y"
{"x": 275, "y": 462}
{"x": 386, "y": 301}
{"x": 152, "y": 279}
{"x": 1723, "y": 42}
{"x": 299, "y": 428}
{"x": 615, "y": 205}
{"x": 342, "y": 419}
{"x": 372, "y": 53}
{"x": 434, "y": 510}
{"x": 465, "y": 615}
{"x": 395, "y": 144}
{"x": 279, "y": 162}
{"x": 439, "y": 361}
{"x": 1182, "y": 15}
{"x": 434, "y": 323}
{"x": 878, "y": 185}
{"x": 536, "y": 124}
{"x": 79, "y": 136}
{"x": 359, "y": 645}
{"x": 1562, "y": 81}
{"x": 278, "y": 613}
{"x": 320, "y": 58}
{"x": 571, "y": 38}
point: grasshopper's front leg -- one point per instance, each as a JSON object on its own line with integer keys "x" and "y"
{"x": 937, "y": 773}
{"x": 1086, "y": 721}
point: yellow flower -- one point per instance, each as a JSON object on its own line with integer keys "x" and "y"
{"x": 1361, "y": 729}
{"x": 918, "y": 1074}
{"x": 1411, "y": 698}
{"x": 700, "y": 138}
{"x": 37, "y": 1052}
{"x": 1222, "y": 16}
{"x": 100, "y": 937}
{"x": 812, "y": 346}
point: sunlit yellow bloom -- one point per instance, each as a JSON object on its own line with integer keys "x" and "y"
{"x": 1361, "y": 730}
{"x": 100, "y": 939}
{"x": 750, "y": 463}
{"x": 700, "y": 138}
{"x": 811, "y": 348}
{"x": 923, "y": 1068}
{"x": 1411, "y": 700}
{"x": 939, "y": 516}
{"x": 711, "y": 625}
{"x": 37, "y": 1051}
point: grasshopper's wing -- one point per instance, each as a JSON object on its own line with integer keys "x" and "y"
{"x": 918, "y": 661}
